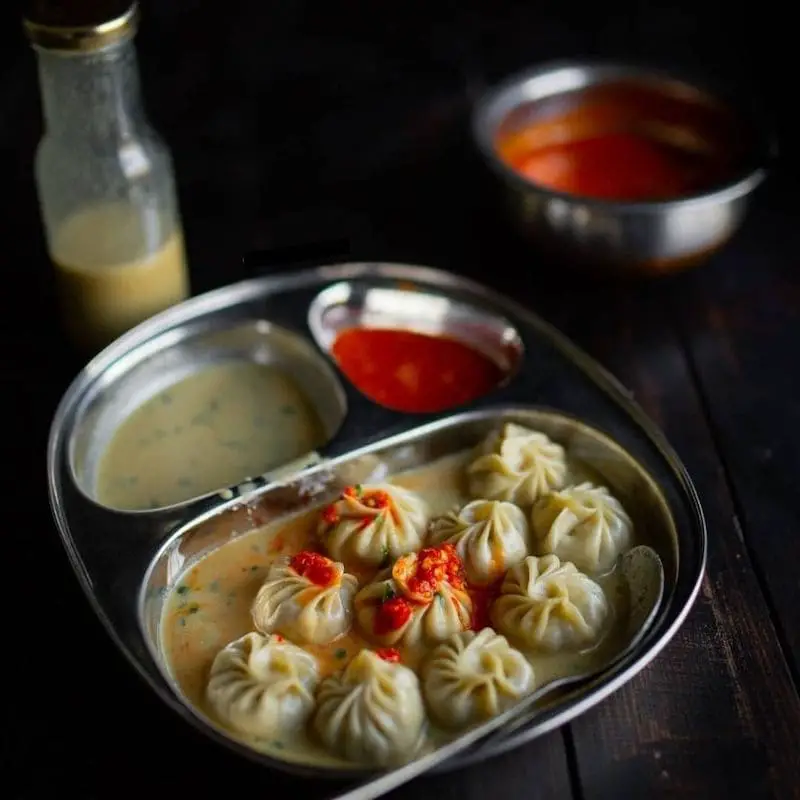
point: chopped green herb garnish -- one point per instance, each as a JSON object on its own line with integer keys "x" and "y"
{"x": 254, "y": 568}
{"x": 183, "y": 589}
{"x": 213, "y": 586}
{"x": 200, "y": 419}
{"x": 388, "y": 593}
{"x": 386, "y": 556}
{"x": 193, "y": 608}
{"x": 340, "y": 653}
{"x": 359, "y": 489}
{"x": 440, "y": 598}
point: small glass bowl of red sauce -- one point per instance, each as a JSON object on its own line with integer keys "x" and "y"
{"x": 612, "y": 166}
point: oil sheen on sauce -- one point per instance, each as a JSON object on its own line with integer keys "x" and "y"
{"x": 212, "y": 430}
{"x": 209, "y": 605}
{"x": 114, "y": 269}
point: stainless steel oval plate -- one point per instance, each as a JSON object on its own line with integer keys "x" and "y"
{"x": 127, "y": 561}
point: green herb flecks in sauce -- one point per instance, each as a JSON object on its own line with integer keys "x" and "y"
{"x": 212, "y": 430}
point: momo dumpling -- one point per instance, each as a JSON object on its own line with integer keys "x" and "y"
{"x": 583, "y": 524}
{"x": 489, "y": 535}
{"x": 263, "y": 686}
{"x": 517, "y": 465}
{"x": 372, "y": 712}
{"x": 421, "y": 600}
{"x": 549, "y": 606}
{"x": 307, "y": 597}
{"x": 373, "y": 524}
{"x": 474, "y": 676}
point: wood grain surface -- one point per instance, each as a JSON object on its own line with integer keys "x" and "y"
{"x": 300, "y": 122}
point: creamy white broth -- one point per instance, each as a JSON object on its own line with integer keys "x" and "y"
{"x": 209, "y": 607}
{"x": 216, "y": 428}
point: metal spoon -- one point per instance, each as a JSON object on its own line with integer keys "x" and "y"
{"x": 643, "y": 571}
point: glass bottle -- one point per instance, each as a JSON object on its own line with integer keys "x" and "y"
{"x": 104, "y": 177}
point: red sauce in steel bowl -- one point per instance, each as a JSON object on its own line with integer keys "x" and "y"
{"x": 619, "y": 143}
{"x": 414, "y": 372}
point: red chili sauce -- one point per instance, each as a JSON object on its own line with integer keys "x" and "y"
{"x": 389, "y": 654}
{"x": 482, "y": 599}
{"x": 418, "y": 576}
{"x": 392, "y": 614}
{"x": 374, "y": 499}
{"x": 422, "y": 574}
{"x": 313, "y": 566}
{"x": 414, "y": 372}
{"x": 623, "y": 144}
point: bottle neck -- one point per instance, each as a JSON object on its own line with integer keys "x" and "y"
{"x": 91, "y": 95}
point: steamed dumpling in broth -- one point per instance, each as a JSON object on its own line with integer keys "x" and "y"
{"x": 263, "y": 686}
{"x": 489, "y": 535}
{"x": 373, "y": 524}
{"x": 474, "y": 676}
{"x": 371, "y": 712}
{"x": 548, "y": 605}
{"x": 421, "y": 600}
{"x": 584, "y": 524}
{"x": 517, "y": 465}
{"x": 307, "y": 597}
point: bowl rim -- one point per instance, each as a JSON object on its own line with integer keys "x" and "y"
{"x": 490, "y": 103}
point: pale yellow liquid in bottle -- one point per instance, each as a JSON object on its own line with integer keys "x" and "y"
{"x": 110, "y": 276}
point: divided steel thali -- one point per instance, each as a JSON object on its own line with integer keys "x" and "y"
{"x": 145, "y": 567}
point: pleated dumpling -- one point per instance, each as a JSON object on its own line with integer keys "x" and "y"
{"x": 584, "y": 524}
{"x": 421, "y": 600}
{"x": 471, "y": 677}
{"x": 373, "y": 524}
{"x": 517, "y": 465}
{"x": 549, "y": 606}
{"x": 371, "y": 712}
{"x": 489, "y": 535}
{"x": 263, "y": 686}
{"x": 307, "y": 597}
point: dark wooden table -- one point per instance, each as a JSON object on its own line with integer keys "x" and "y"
{"x": 295, "y": 122}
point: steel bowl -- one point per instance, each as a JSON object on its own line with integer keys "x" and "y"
{"x": 646, "y": 237}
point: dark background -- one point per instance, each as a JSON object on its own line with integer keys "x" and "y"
{"x": 294, "y": 120}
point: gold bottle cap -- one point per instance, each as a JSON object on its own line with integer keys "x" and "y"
{"x": 79, "y": 26}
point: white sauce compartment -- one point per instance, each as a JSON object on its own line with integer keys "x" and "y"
{"x": 191, "y": 404}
